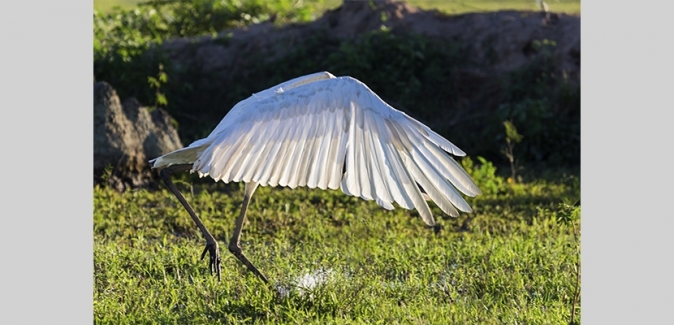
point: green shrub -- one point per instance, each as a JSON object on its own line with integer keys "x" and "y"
{"x": 484, "y": 175}
{"x": 126, "y": 42}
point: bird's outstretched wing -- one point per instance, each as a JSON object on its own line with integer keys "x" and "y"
{"x": 190, "y": 153}
{"x": 256, "y": 97}
{"x": 335, "y": 133}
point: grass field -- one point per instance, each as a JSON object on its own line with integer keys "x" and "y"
{"x": 337, "y": 259}
{"x": 449, "y": 6}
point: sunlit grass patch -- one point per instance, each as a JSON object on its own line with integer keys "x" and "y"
{"x": 338, "y": 259}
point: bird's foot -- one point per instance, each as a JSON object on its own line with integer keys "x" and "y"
{"x": 236, "y": 250}
{"x": 214, "y": 257}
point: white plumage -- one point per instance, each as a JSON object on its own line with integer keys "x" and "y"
{"x": 331, "y": 132}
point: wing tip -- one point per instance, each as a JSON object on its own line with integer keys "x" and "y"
{"x": 458, "y": 152}
{"x": 430, "y": 221}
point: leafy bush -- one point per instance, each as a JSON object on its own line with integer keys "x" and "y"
{"x": 484, "y": 175}
{"x": 125, "y": 52}
{"x": 126, "y": 42}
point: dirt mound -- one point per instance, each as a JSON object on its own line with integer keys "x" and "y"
{"x": 501, "y": 41}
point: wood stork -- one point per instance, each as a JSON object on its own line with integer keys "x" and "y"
{"x": 323, "y": 131}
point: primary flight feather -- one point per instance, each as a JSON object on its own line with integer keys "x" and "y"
{"x": 330, "y": 132}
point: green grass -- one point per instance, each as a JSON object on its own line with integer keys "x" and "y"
{"x": 512, "y": 261}
{"x": 105, "y": 6}
{"x": 448, "y": 6}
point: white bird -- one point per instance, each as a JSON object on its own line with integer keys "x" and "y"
{"x": 323, "y": 131}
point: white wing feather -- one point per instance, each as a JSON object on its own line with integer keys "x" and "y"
{"x": 302, "y": 132}
{"x": 190, "y": 153}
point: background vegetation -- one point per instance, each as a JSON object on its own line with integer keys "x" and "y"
{"x": 515, "y": 259}
{"x": 416, "y": 74}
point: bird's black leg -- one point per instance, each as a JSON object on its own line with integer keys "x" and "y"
{"x": 234, "y": 242}
{"x": 211, "y": 244}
